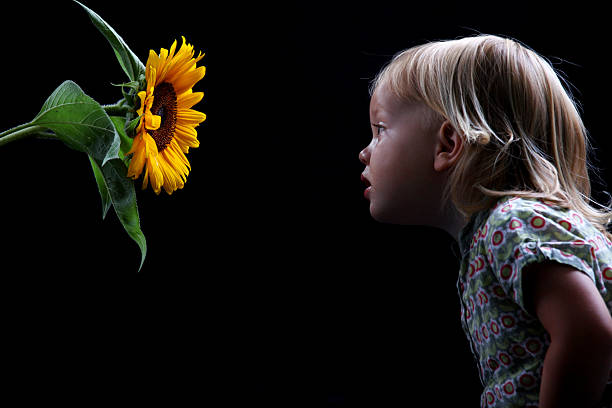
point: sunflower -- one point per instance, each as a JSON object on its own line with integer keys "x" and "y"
{"x": 167, "y": 124}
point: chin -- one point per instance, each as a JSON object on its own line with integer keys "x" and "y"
{"x": 396, "y": 216}
{"x": 385, "y": 215}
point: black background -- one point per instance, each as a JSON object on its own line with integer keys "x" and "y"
{"x": 266, "y": 279}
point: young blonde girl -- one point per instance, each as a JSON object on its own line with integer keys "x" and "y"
{"x": 479, "y": 137}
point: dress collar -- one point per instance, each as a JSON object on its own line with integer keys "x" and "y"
{"x": 475, "y": 221}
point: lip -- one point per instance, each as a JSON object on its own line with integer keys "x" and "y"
{"x": 366, "y": 192}
{"x": 365, "y": 179}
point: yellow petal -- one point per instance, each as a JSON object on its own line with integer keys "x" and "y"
{"x": 152, "y": 167}
{"x": 153, "y": 60}
{"x": 186, "y": 130}
{"x": 171, "y": 155}
{"x": 186, "y": 137}
{"x": 178, "y": 153}
{"x": 170, "y": 179}
{"x": 188, "y": 99}
{"x": 145, "y": 179}
{"x": 190, "y": 117}
{"x": 172, "y": 49}
{"x": 135, "y": 144}
{"x": 185, "y": 64}
{"x": 182, "y": 67}
{"x": 151, "y": 74}
{"x": 161, "y": 65}
{"x": 152, "y": 122}
{"x": 142, "y": 95}
{"x": 155, "y": 174}
{"x": 188, "y": 80}
{"x": 138, "y": 158}
{"x": 150, "y": 146}
{"x": 169, "y": 61}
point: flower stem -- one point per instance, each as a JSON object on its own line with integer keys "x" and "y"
{"x": 19, "y": 132}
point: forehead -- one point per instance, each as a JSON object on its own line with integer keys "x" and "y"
{"x": 384, "y": 103}
{"x": 386, "y": 106}
{"x": 380, "y": 101}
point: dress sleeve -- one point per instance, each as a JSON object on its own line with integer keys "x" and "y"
{"x": 524, "y": 232}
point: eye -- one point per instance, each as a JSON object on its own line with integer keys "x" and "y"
{"x": 379, "y": 128}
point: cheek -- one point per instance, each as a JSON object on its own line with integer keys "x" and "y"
{"x": 395, "y": 169}
{"x": 401, "y": 183}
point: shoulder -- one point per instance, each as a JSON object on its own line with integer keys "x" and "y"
{"x": 524, "y": 231}
{"x": 527, "y": 216}
{"x": 526, "y": 208}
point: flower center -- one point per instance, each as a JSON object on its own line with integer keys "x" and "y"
{"x": 164, "y": 105}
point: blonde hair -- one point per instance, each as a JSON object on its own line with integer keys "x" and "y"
{"x": 522, "y": 132}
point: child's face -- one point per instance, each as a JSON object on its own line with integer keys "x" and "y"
{"x": 404, "y": 187}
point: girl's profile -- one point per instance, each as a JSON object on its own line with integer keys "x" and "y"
{"x": 479, "y": 137}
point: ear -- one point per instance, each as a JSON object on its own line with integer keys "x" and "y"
{"x": 448, "y": 148}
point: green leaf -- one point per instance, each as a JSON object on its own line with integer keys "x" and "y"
{"x": 130, "y": 63}
{"x": 104, "y": 194}
{"x": 80, "y": 122}
{"x": 118, "y": 189}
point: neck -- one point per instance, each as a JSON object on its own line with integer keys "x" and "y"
{"x": 452, "y": 221}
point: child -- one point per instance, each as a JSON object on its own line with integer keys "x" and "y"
{"x": 477, "y": 136}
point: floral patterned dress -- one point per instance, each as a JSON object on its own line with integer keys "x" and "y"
{"x": 509, "y": 344}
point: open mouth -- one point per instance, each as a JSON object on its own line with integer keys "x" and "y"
{"x": 365, "y": 180}
{"x": 366, "y": 192}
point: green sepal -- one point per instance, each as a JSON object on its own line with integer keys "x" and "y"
{"x": 130, "y": 84}
{"x": 130, "y": 127}
{"x": 130, "y": 96}
{"x": 130, "y": 63}
{"x": 126, "y": 142}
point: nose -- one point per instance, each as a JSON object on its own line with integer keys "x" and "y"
{"x": 364, "y": 156}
